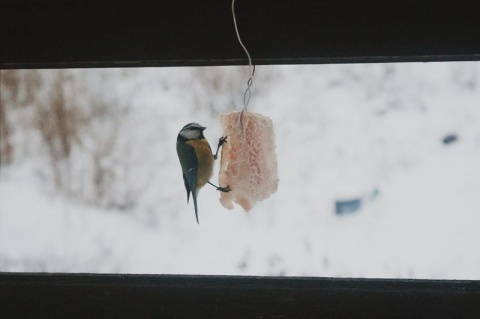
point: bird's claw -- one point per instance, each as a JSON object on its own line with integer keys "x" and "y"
{"x": 224, "y": 189}
{"x": 222, "y": 140}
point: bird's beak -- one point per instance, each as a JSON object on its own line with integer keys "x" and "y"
{"x": 203, "y": 128}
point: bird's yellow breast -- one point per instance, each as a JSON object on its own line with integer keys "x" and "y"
{"x": 205, "y": 161}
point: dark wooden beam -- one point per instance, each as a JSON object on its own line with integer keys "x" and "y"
{"x": 161, "y": 296}
{"x": 108, "y": 33}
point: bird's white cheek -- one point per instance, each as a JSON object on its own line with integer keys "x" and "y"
{"x": 189, "y": 134}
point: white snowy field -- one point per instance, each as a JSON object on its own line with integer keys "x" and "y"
{"x": 343, "y": 132}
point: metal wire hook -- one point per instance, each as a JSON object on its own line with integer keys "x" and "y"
{"x": 248, "y": 92}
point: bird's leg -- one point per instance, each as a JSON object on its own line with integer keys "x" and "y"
{"x": 221, "y": 141}
{"x": 222, "y": 189}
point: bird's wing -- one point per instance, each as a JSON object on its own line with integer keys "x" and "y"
{"x": 189, "y": 163}
{"x": 186, "y": 187}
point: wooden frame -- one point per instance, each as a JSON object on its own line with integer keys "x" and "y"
{"x": 69, "y": 33}
{"x": 108, "y": 33}
{"x": 157, "y": 296}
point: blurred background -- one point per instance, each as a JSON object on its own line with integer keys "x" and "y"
{"x": 379, "y": 169}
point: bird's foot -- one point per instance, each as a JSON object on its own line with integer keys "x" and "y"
{"x": 222, "y": 140}
{"x": 224, "y": 189}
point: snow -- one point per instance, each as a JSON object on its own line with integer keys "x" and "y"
{"x": 342, "y": 131}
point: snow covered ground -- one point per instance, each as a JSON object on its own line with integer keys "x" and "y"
{"x": 369, "y": 132}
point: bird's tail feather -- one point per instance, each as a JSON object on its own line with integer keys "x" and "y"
{"x": 194, "y": 195}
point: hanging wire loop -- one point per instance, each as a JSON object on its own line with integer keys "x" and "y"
{"x": 251, "y": 68}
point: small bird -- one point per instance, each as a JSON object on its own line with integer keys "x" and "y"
{"x": 196, "y": 159}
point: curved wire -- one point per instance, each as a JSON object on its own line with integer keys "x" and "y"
{"x": 251, "y": 68}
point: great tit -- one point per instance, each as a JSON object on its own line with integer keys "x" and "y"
{"x": 196, "y": 159}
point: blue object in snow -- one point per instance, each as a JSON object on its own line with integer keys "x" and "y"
{"x": 347, "y": 206}
{"x": 450, "y": 138}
